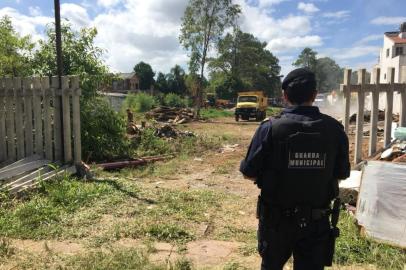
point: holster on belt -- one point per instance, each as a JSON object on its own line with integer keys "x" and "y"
{"x": 334, "y": 232}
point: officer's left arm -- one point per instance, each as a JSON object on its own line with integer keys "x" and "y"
{"x": 342, "y": 168}
{"x": 252, "y": 165}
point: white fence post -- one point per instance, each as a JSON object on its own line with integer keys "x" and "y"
{"x": 375, "y": 79}
{"x": 389, "y": 107}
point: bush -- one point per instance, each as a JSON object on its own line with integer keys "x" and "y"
{"x": 103, "y": 131}
{"x": 140, "y": 102}
{"x": 150, "y": 144}
{"x": 174, "y": 100}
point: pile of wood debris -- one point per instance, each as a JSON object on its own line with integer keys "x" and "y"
{"x": 169, "y": 131}
{"x": 171, "y": 115}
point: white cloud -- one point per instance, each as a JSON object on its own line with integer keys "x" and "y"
{"x": 76, "y": 14}
{"x": 142, "y": 31}
{"x": 351, "y": 52}
{"x": 342, "y": 14}
{"x": 388, "y": 20}
{"x": 369, "y": 38}
{"x": 35, "y": 11}
{"x": 26, "y": 25}
{"x": 108, "y": 3}
{"x": 268, "y": 3}
{"x": 308, "y": 8}
{"x": 289, "y": 43}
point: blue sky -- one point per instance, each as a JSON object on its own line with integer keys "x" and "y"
{"x": 349, "y": 31}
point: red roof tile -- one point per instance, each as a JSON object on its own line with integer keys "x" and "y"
{"x": 397, "y": 39}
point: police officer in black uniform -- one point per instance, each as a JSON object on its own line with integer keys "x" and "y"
{"x": 296, "y": 159}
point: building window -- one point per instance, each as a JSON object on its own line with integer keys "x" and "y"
{"x": 399, "y": 51}
{"x": 384, "y": 76}
{"x": 387, "y": 53}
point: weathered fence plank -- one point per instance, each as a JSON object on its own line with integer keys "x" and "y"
{"x": 359, "y": 133}
{"x": 77, "y": 145}
{"x": 47, "y": 118}
{"x": 347, "y": 98}
{"x": 67, "y": 134}
{"x": 389, "y": 108}
{"x": 37, "y": 102}
{"x": 19, "y": 124}
{"x": 10, "y": 124}
{"x": 373, "y": 136}
{"x": 28, "y": 135}
{"x": 57, "y": 125}
{"x": 3, "y": 144}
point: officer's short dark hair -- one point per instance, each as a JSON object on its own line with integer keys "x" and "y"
{"x": 300, "y": 85}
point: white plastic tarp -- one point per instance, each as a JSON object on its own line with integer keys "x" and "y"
{"x": 381, "y": 208}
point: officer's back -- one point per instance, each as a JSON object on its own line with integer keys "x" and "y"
{"x": 296, "y": 160}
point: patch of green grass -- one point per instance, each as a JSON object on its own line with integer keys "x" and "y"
{"x": 42, "y": 213}
{"x": 211, "y": 113}
{"x": 226, "y": 167}
{"x": 352, "y": 248}
{"x": 234, "y": 266}
{"x": 230, "y": 232}
{"x": 150, "y": 145}
{"x": 6, "y": 250}
{"x": 173, "y": 217}
{"x": 249, "y": 249}
{"x": 168, "y": 232}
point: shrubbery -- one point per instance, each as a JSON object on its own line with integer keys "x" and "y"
{"x": 174, "y": 100}
{"x": 140, "y": 102}
{"x": 103, "y": 131}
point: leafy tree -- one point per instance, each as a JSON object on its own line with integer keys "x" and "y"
{"x": 203, "y": 24}
{"x": 244, "y": 62}
{"x": 176, "y": 80}
{"x": 161, "y": 83}
{"x": 15, "y": 51}
{"x": 307, "y": 58}
{"x": 328, "y": 73}
{"x": 145, "y": 74}
{"x": 80, "y": 57}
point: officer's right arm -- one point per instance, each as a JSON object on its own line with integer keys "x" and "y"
{"x": 251, "y": 166}
{"x": 342, "y": 167}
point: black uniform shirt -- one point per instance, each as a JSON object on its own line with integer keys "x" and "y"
{"x": 256, "y": 161}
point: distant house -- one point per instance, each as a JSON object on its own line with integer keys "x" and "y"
{"x": 393, "y": 54}
{"x": 126, "y": 82}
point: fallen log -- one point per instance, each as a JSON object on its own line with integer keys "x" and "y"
{"x": 131, "y": 163}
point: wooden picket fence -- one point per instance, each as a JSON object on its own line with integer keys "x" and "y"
{"x": 375, "y": 88}
{"x": 39, "y": 124}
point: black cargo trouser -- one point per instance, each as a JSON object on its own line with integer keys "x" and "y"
{"x": 279, "y": 237}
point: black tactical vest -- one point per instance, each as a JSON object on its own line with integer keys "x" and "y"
{"x": 302, "y": 158}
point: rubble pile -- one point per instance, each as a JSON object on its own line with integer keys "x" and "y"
{"x": 397, "y": 151}
{"x": 367, "y": 117}
{"x": 169, "y": 131}
{"x": 171, "y": 115}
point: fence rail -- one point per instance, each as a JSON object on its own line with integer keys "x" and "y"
{"x": 39, "y": 118}
{"x": 375, "y": 88}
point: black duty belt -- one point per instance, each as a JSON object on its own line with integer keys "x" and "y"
{"x": 314, "y": 214}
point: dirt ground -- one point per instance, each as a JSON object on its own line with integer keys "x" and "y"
{"x": 222, "y": 240}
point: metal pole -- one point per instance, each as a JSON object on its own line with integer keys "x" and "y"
{"x": 59, "y": 62}
{"x": 58, "y": 41}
